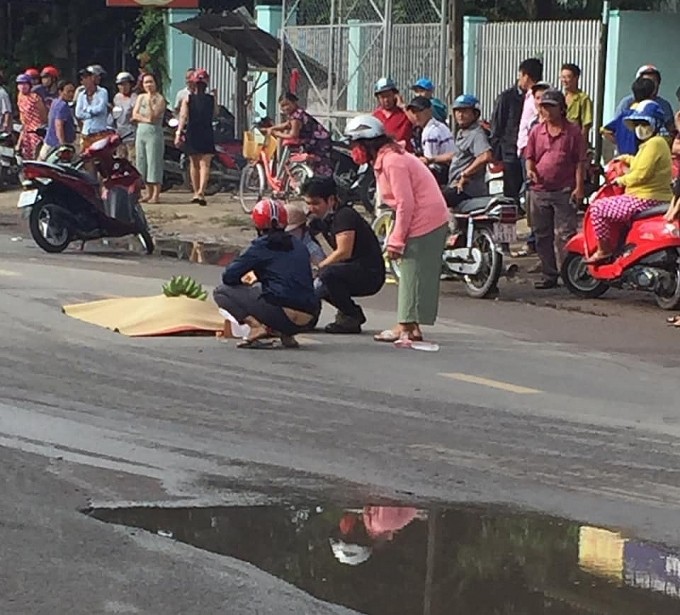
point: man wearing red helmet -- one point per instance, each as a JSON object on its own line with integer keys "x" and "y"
{"x": 47, "y": 89}
{"x": 282, "y": 303}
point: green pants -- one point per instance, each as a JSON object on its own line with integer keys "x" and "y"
{"x": 421, "y": 268}
{"x": 150, "y": 149}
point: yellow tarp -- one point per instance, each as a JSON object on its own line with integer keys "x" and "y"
{"x": 147, "y": 316}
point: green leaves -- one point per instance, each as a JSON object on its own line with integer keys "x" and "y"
{"x": 150, "y": 42}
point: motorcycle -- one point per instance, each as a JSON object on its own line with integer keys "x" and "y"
{"x": 225, "y": 167}
{"x": 647, "y": 256}
{"x": 65, "y": 203}
{"x": 10, "y": 165}
{"x": 356, "y": 184}
{"x": 473, "y": 249}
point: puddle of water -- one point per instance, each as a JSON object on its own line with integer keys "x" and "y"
{"x": 382, "y": 560}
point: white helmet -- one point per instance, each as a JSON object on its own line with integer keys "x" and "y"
{"x": 364, "y": 127}
{"x": 350, "y": 554}
{"x": 124, "y": 77}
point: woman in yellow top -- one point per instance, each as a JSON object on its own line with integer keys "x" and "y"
{"x": 647, "y": 183}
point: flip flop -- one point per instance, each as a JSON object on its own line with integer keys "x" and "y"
{"x": 597, "y": 261}
{"x": 256, "y": 344}
{"x": 388, "y": 336}
{"x": 288, "y": 341}
{"x": 673, "y": 320}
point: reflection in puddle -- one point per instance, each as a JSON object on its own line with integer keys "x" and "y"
{"x": 469, "y": 561}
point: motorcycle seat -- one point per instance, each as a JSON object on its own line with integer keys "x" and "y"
{"x": 652, "y": 212}
{"x": 84, "y": 175}
{"x": 475, "y": 205}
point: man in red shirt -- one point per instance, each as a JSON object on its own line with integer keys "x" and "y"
{"x": 555, "y": 163}
{"x": 391, "y": 113}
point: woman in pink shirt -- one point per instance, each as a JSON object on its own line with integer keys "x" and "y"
{"x": 406, "y": 185}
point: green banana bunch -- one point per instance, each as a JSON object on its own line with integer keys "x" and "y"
{"x": 184, "y": 285}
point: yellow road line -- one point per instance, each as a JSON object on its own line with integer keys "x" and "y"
{"x": 8, "y": 274}
{"x": 493, "y": 384}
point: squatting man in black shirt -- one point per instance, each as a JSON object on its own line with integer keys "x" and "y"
{"x": 355, "y": 267}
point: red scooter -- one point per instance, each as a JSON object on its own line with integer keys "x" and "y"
{"x": 647, "y": 256}
{"x": 69, "y": 204}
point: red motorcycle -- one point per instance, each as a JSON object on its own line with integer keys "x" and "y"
{"x": 69, "y": 204}
{"x": 647, "y": 256}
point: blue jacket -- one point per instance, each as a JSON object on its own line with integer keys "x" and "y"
{"x": 285, "y": 275}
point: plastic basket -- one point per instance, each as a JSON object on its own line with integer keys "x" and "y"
{"x": 251, "y": 146}
{"x": 270, "y": 146}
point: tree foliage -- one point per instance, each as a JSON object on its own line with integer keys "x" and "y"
{"x": 149, "y": 44}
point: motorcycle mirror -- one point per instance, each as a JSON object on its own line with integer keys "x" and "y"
{"x": 263, "y": 106}
{"x": 173, "y": 123}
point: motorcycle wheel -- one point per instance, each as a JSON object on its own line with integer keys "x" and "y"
{"x": 382, "y": 227}
{"x": 486, "y": 280}
{"x": 670, "y": 300}
{"x": 147, "y": 241}
{"x": 252, "y": 186}
{"x": 298, "y": 174}
{"x": 47, "y": 230}
{"x": 577, "y": 279}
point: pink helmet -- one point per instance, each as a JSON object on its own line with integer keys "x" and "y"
{"x": 33, "y": 73}
{"x": 200, "y": 75}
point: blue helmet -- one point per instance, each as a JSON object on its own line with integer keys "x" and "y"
{"x": 647, "y": 111}
{"x": 384, "y": 85}
{"x": 467, "y": 101}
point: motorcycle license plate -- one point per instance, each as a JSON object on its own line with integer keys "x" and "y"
{"x": 27, "y": 198}
{"x": 505, "y": 233}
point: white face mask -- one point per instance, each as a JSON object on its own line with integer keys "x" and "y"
{"x": 644, "y": 132}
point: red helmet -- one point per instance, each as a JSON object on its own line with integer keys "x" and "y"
{"x": 50, "y": 71}
{"x": 200, "y": 75}
{"x": 270, "y": 214}
{"x": 34, "y": 73}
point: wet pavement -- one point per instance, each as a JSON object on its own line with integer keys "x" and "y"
{"x": 436, "y": 560}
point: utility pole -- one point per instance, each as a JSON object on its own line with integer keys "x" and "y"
{"x": 455, "y": 48}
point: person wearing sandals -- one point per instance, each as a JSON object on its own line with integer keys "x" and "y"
{"x": 282, "y": 302}
{"x": 148, "y": 112}
{"x": 420, "y": 229}
{"x": 647, "y": 183}
{"x": 196, "y": 114}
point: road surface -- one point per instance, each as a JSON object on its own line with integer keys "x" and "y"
{"x": 534, "y": 401}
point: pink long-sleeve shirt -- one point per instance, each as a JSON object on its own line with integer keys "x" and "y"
{"x": 406, "y": 185}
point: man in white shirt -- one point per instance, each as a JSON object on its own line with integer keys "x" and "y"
{"x": 436, "y": 139}
{"x": 183, "y": 94}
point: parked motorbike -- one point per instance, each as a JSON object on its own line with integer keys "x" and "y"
{"x": 647, "y": 256}
{"x": 356, "y": 184}
{"x": 10, "y": 166}
{"x": 225, "y": 168}
{"x": 67, "y": 204}
{"x": 473, "y": 249}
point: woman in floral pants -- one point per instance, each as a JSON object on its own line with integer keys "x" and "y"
{"x": 647, "y": 183}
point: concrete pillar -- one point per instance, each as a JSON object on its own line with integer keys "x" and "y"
{"x": 356, "y": 77}
{"x": 268, "y": 18}
{"x": 180, "y": 52}
{"x": 471, "y": 26}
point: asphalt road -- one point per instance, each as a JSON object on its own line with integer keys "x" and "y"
{"x": 536, "y": 401}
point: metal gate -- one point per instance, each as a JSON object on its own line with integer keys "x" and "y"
{"x": 502, "y": 46}
{"x": 353, "y": 43}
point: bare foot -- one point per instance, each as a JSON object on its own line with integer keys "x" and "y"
{"x": 597, "y": 257}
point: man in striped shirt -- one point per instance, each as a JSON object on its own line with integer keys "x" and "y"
{"x": 436, "y": 139}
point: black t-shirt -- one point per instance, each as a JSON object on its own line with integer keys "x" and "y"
{"x": 367, "y": 249}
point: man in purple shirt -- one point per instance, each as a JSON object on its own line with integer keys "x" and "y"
{"x": 555, "y": 157}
